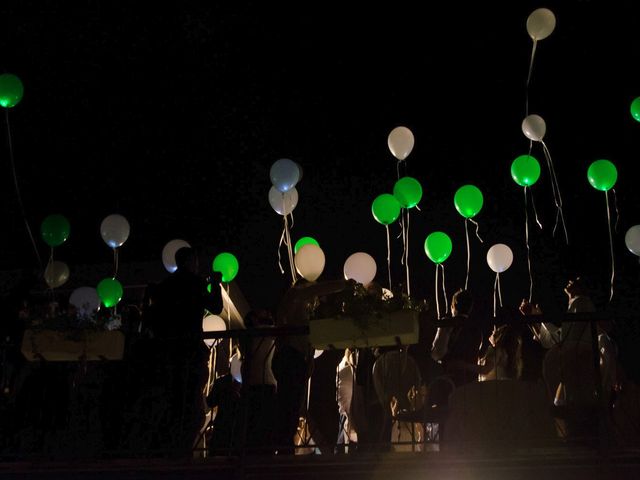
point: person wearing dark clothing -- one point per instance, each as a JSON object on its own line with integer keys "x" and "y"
{"x": 457, "y": 346}
{"x": 225, "y": 395}
{"x": 181, "y": 300}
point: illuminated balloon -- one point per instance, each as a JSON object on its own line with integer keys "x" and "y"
{"x": 55, "y": 230}
{"x": 284, "y": 174}
{"x": 534, "y": 127}
{"x": 632, "y": 239}
{"x": 283, "y": 203}
{"x": 386, "y": 209}
{"x": 309, "y": 262}
{"x": 11, "y": 90}
{"x": 602, "y": 175}
{"x": 408, "y": 192}
{"x": 227, "y": 264}
{"x": 304, "y": 241}
{"x": 212, "y": 323}
{"x": 86, "y": 300}
{"x": 541, "y": 23}
{"x": 56, "y": 274}
{"x": 525, "y": 170}
{"x": 468, "y": 201}
{"x": 499, "y": 257}
{"x": 360, "y": 267}
{"x": 169, "y": 253}
{"x": 114, "y": 230}
{"x": 110, "y": 292}
{"x": 438, "y": 247}
{"x": 317, "y": 353}
{"x": 635, "y": 109}
{"x": 400, "y": 142}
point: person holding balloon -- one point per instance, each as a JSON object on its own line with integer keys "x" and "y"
{"x": 181, "y": 301}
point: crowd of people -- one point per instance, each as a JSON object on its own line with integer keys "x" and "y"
{"x": 162, "y": 397}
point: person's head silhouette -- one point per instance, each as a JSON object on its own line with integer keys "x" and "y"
{"x": 187, "y": 260}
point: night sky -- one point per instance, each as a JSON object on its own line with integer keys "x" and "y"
{"x": 173, "y": 115}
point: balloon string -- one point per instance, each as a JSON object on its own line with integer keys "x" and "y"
{"x": 287, "y": 242}
{"x": 477, "y": 229}
{"x": 292, "y": 221}
{"x": 388, "y": 256}
{"x": 556, "y": 192}
{"x": 495, "y": 288}
{"x": 228, "y": 301}
{"x": 115, "y": 262}
{"x": 437, "y": 300}
{"x": 526, "y": 235}
{"x": 499, "y": 288}
{"x": 406, "y": 258}
{"x": 210, "y": 364}
{"x": 615, "y": 204}
{"x": 535, "y": 211}
{"x": 466, "y": 233}
{"x": 398, "y": 168}
{"x": 18, "y": 195}
{"x": 403, "y": 235}
{"x": 279, "y": 247}
{"x": 533, "y": 54}
{"x": 613, "y": 265}
{"x": 444, "y": 291}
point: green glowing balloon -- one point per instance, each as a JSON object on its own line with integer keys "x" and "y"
{"x": 525, "y": 170}
{"x": 55, "y": 230}
{"x": 438, "y": 247}
{"x": 468, "y": 201}
{"x": 227, "y": 265}
{"x": 11, "y": 90}
{"x": 304, "y": 241}
{"x": 110, "y": 292}
{"x": 385, "y": 209}
{"x": 635, "y": 109}
{"x": 408, "y": 192}
{"x": 602, "y": 175}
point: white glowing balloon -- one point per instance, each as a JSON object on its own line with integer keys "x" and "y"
{"x": 499, "y": 257}
{"x": 400, "y": 142}
{"x": 283, "y": 203}
{"x": 360, "y": 267}
{"x": 56, "y": 274}
{"x": 212, "y": 323}
{"x": 85, "y": 299}
{"x": 541, "y": 23}
{"x": 236, "y": 367}
{"x": 309, "y": 262}
{"x": 169, "y": 254}
{"x": 632, "y": 239}
{"x": 114, "y": 230}
{"x": 317, "y": 353}
{"x": 534, "y": 127}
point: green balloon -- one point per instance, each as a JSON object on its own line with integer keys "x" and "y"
{"x": 635, "y": 109}
{"x": 602, "y": 175}
{"x": 438, "y": 247}
{"x": 110, "y": 292}
{"x": 11, "y": 90}
{"x": 227, "y": 265}
{"x": 304, "y": 241}
{"x": 408, "y": 192}
{"x": 385, "y": 208}
{"x": 525, "y": 170}
{"x": 55, "y": 230}
{"x": 468, "y": 201}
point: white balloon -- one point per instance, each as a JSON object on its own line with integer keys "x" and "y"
{"x": 541, "y": 23}
{"x": 236, "y": 367}
{"x": 283, "y": 203}
{"x": 114, "y": 230}
{"x": 534, "y": 127}
{"x": 309, "y": 262}
{"x": 499, "y": 257}
{"x": 212, "y": 323}
{"x": 632, "y": 239}
{"x": 169, "y": 253}
{"x": 85, "y": 299}
{"x": 360, "y": 267}
{"x": 56, "y": 274}
{"x": 400, "y": 142}
{"x": 317, "y": 353}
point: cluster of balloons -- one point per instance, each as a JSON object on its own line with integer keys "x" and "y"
{"x": 407, "y": 193}
{"x": 304, "y": 241}
{"x": 11, "y": 90}
{"x": 285, "y": 175}
{"x": 55, "y": 230}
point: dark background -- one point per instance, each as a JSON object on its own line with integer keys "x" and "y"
{"x": 172, "y": 116}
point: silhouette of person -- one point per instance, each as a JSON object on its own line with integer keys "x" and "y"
{"x": 181, "y": 300}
